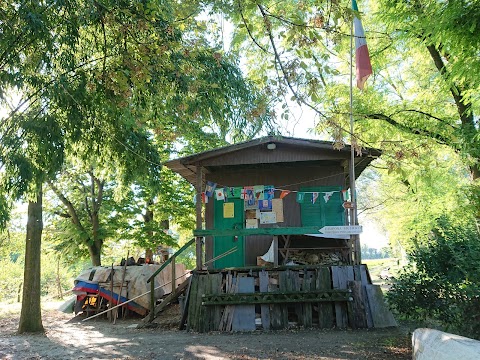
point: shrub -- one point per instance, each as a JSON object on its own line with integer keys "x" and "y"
{"x": 442, "y": 280}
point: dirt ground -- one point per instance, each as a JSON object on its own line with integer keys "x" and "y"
{"x": 67, "y": 337}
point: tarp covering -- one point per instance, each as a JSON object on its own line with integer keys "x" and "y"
{"x": 98, "y": 280}
{"x": 433, "y": 344}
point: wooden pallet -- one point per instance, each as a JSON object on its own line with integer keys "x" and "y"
{"x": 277, "y": 298}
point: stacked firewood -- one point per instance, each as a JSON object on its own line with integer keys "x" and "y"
{"x": 316, "y": 258}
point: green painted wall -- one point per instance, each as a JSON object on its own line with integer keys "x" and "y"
{"x": 222, "y": 244}
{"x": 323, "y": 213}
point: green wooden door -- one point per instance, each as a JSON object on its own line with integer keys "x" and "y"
{"x": 221, "y": 244}
{"x": 323, "y": 213}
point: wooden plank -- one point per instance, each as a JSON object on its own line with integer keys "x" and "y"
{"x": 212, "y": 313}
{"x": 296, "y": 287}
{"x": 350, "y": 274}
{"x": 283, "y": 287}
{"x": 286, "y": 297}
{"x": 232, "y": 308}
{"x": 264, "y": 308}
{"x": 339, "y": 281}
{"x": 186, "y": 304}
{"x": 275, "y": 310}
{"x": 200, "y": 315}
{"x": 226, "y": 319}
{"x": 286, "y": 248}
{"x": 307, "y": 318}
{"x": 259, "y": 231}
{"x": 325, "y": 310}
{"x": 194, "y": 303}
{"x": 365, "y": 279}
{"x": 357, "y": 273}
{"x": 358, "y": 305}
{"x": 275, "y": 250}
{"x": 365, "y": 275}
{"x": 244, "y": 316}
{"x": 381, "y": 315}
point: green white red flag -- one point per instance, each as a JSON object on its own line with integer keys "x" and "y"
{"x": 362, "y": 58}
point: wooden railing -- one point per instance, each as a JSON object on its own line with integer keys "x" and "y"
{"x": 151, "y": 279}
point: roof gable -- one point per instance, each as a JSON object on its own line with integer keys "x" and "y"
{"x": 270, "y": 150}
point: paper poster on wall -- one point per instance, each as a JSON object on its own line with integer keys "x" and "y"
{"x": 277, "y": 208}
{"x": 265, "y": 205}
{"x": 251, "y": 214}
{"x": 228, "y": 210}
{"x": 250, "y": 200}
{"x": 251, "y": 224}
{"x": 268, "y": 218}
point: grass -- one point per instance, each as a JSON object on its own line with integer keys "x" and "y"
{"x": 376, "y": 266}
{"x": 8, "y": 308}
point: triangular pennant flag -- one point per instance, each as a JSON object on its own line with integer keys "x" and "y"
{"x": 258, "y": 191}
{"x": 327, "y": 195}
{"x": 210, "y": 188}
{"x": 220, "y": 194}
{"x": 300, "y": 197}
{"x": 243, "y": 193}
{"x": 284, "y": 193}
{"x": 314, "y": 197}
{"x": 204, "y": 198}
{"x": 345, "y": 195}
{"x": 237, "y": 192}
{"x": 269, "y": 192}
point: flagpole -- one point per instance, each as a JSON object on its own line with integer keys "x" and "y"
{"x": 353, "y": 212}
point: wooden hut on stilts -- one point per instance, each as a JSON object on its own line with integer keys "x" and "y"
{"x": 275, "y": 244}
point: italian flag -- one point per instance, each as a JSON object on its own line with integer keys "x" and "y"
{"x": 362, "y": 58}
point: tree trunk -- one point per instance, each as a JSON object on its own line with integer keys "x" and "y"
{"x": 31, "y": 315}
{"x": 95, "y": 254}
{"x": 59, "y": 280}
{"x": 148, "y": 217}
{"x": 96, "y": 193}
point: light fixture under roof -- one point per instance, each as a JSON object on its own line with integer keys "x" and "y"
{"x": 271, "y": 146}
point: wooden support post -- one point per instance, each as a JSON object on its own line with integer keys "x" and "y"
{"x": 174, "y": 281}
{"x": 264, "y": 308}
{"x": 110, "y": 302}
{"x": 152, "y": 300}
{"x": 275, "y": 250}
{"x": 198, "y": 208}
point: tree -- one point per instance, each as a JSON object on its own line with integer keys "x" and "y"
{"x": 94, "y": 78}
{"x": 420, "y": 102}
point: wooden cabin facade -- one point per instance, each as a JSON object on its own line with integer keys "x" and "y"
{"x": 298, "y": 187}
{"x": 268, "y": 211}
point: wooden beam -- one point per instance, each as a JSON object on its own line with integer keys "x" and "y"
{"x": 277, "y": 297}
{"x": 198, "y": 208}
{"x": 259, "y": 231}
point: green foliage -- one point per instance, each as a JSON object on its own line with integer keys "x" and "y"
{"x": 372, "y": 253}
{"x": 442, "y": 280}
{"x": 408, "y": 192}
{"x": 12, "y": 257}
